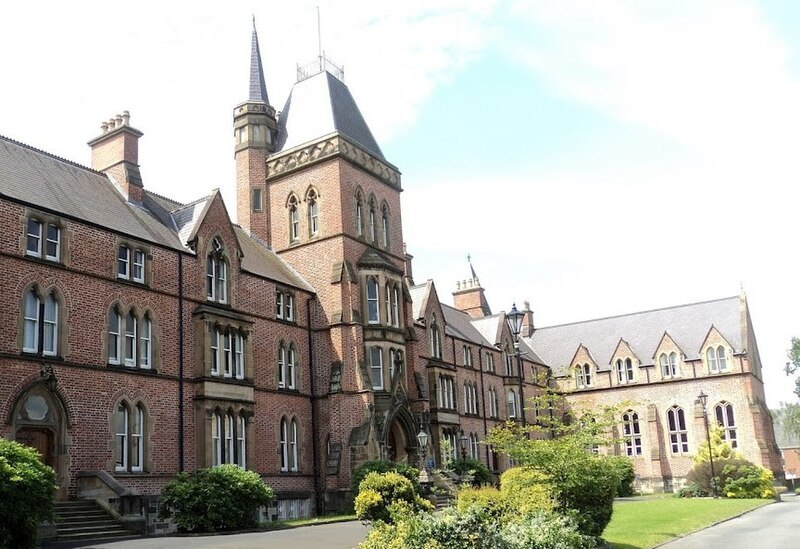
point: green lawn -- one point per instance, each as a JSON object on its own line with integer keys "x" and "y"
{"x": 648, "y": 522}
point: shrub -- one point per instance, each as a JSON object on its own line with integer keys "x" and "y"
{"x": 691, "y": 490}
{"x": 526, "y": 489}
{"x": 219, "y": 498}
{"x": 491, "y": 500}
{"x": 380, "y": 493}
{"x": 624, "y": 469}
{"x": 473, "y": 528}
{"x": 589, "y": 491}
{"x": 736, "y": 478}
{"x": 383, "y": 466}
{"x": 27, "y": 487}
{"x": 479, "y": 472}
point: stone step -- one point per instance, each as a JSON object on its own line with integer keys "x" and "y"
{"x": 101, "y": 521}
{"x": 109, "y": 525}
{"x": 97, "y": 536}
{"x": 77, "y": 514}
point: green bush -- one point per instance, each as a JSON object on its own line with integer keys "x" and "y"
{"x": 624, "y": 470}
{"x": 219, "y": 498}
{"x": 491, "y": 500}
{"x": 378, "y": 492}
{"x": 383, "y": 466}
{"x": 526, "y": 489}
{"x": 589, "y": 491}
{"x": 479, "y": 473}
{"x": 736, "y": 478}
{"x": 27, "y": 487}
{"x": 691, "y": 490}
{"x": 474, "y": 528}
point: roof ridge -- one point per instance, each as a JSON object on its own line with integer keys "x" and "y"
{"x": 180, "y": 204}
{"x": 192, "y": 203}
{"x": 636, "y": 313}
{"x": 51, "y": 155}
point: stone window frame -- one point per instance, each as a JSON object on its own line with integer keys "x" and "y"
{"x": 59, "y": 323}
{"x": 293, "y": 211}
{"x": 218, "y": 272}
{"x": 216, "y": 415}
{"x": 677, "y": 430}
{"x": 313, "y": 209}
{"x": 670, "y": 365}
{"x": 285, "y": 305}
{"x": 238, "y": 354}
{"x": 372, "y": 352}
{"x": 512, "y": 404}
{"x": 288, "y": 444}
{"x": 288, "y": 378}
{"x": 435, "y": 339}
{"x": 358, "y": 217}
{"x": 631, "y": 433}
{"x": 446, "y": 392}
{"x": 257, "y": 200}
{"x": 45, "y": 221}
{"x": 133, "y": 248}
{"x": 385, "y": 239}
{"x": 717, "y": 359}
{"x": 583, "y": 375}
{"x": 624, "y": 370}
{"x": 125, "y": 463}
{"x": 726, "y": 418}
{"x": 142, "y": 317}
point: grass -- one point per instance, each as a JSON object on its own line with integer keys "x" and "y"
{"x": 651, "y": 521}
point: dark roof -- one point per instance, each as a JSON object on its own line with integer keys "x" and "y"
{"x": 258, "y": 87}
{"x": 459, "y": 324}
{"x": 260, "y": 260}
{"x": 45, "y": 181}
{"x": 319, "y": 106}
{"x": 688, "y": 325}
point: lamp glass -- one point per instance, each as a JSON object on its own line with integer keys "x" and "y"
{"x": 703, "y": 398}
{"x": 422, "y": 438}
{"x": 514, "y": 318}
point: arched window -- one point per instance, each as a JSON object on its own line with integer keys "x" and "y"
{"x": 716, "y": 358}
{"x": 130, "y": 340}
{"x": 216, "y": 439}
{"x": 669, "y": 365}
{"x": 473, "y": 445}
{"x": 230, "y": 438}
{"x": 509, "y": 361}
{"x": 631, "y": 433}
{"x": 359, "y": 215}
{"x": 583, "y": 375}
{"x": 281, "y": 365}
{"x": 114, "y": 323}
{"x": 293, "y": 461}
{"x": 313, "y": 212}
{"x": 238, "y": 341}
{"x": 721, "y": 360}
{"x": 146, "y": 343}
{"x": 388, "y": 301}
{"x": 511, "y": 398}
{"x": 385, "y": 226}
{"x": 395, "y": 306}
{"x": 288, "y": 445}
{"x": 217, "y": 273}
{"x": 40, "y": 326}
{"x": 724, "y": 413}
{"x": 129, "y": 423}
{"x": 215, "y": 336}
{"x": 376, "y": 367}
{"x": 373, "y": 305}
{"x": 372, "y": 220}
{"x": 294, "y": 221}
{"x": 435, "y": 340}
{"x": 291, "y": 372}
{"x": 678, "y": 436}
{"x": 241, "y": 441}
{"x": 624, "y": 370}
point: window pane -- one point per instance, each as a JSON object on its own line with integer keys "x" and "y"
{"x": 138, "y": 266}
{"x": 53, "y": 241}
{"x": 376, "y": 361}
{"x": 211, "y": 274}
{"x": 31, "y": 330}
{"x": 123, "y": 261}
{"x": 290, "y": 367}
{"x": 130, "y": 340}
{"x": 145, "y": 350}
{"x": 281, "y": 366}
{"x": 34, "y": 237}
{"x": 50, "y": 325}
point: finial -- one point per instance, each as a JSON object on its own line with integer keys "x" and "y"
{"x": 254, "y": 21}
{"x": 471, "y": 268}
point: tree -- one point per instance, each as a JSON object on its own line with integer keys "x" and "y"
{"x": 720, "y": 449}
{"x": 27, "y": 487}
{"x": 788, "y": 416}
{"x": 793, "y": 366}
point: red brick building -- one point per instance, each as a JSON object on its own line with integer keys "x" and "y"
{"x": 145, "y": 336}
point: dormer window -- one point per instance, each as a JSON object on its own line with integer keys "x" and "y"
{"x": 435, "y": 340}
{"x": 583, "y": 375}
{"x": 624, "y": 370}
{"x": 217, "y": 273}
{"x": 716, "y": 358}
{"x": 669, "y": 365}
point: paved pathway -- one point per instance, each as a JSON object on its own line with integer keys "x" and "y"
{"x": 339, "y": 535}
{"x": 772, "y": 526}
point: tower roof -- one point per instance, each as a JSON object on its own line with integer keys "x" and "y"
{"x": 258, "y": 87}
{"x": 321, "y": 105}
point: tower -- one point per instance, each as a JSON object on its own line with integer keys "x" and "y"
{"x": 255, "y": 127}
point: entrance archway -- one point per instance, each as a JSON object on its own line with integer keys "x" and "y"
{"x": 39, "y": 421}
{"x": 401, "y": 438}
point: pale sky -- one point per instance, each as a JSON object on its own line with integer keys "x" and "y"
{"x": 594, "y": 158}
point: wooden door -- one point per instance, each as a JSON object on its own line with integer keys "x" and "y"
{"x": 40, "y": 439}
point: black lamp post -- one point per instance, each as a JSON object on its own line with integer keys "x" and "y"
{"x": 514, "y": 319}
{"x": 464, "y": 440}
{"x": 424, "y": 478}
{"x": 703, "y": 398}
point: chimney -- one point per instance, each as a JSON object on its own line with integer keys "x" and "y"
{"x": 115, "y": 152}
{"x": 527, "y": 320}
{"x": 407, "y": 265}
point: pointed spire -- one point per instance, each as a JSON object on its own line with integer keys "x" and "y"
{"x": 258, "y": 87}
{"x": 471, "y": 268}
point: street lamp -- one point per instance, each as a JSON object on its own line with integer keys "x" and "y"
{"x": 464, "y": 440}
{"x": 703, "y": 398}
{"x": 422, "y": 440}
{"x": 514, "y": 319}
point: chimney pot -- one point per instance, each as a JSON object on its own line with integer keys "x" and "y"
{"x": 118, "y": 118}
{"x": 126, "y": 118}
{"x": 104, "y": 127}
{"x": 111, "y": 123}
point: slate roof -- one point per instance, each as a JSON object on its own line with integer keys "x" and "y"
{"x": 458, "y": 324}
{"x": 35, "y": 177}
{"x": 260, "y": 260}
{"x": 47, "y": 182}
{"x": 418, "y": 295}
{"x": 688, "y": 325}
{"x": 319, "y": 106}
{"x": 258, "y": 87}
{"x": 489, "y": 327}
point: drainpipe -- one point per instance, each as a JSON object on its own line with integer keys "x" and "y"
{"x": 318, "y": 496}
{"x": 180, "y": 363}
{"x": 483, "y": 401}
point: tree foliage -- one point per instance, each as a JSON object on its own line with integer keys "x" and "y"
{"x": 584, "y": 484}
{"x": 225, "y": 497}
{"x": 793, "y": 366}
{"x": 27, "y": 488}
{"x": 384, "y": 466}
{"x": 476, "y": 471}
{"x": 720, "y": 449}
{"x": 382, "y": 495}
{"x": 734, "y": 477}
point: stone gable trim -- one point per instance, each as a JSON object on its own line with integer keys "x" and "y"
{"x": 332, "y": 146}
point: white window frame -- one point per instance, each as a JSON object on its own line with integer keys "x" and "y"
{"x": 281, "y": 365}
{"x": 291, "y": 367}
{"x": 376, "y": 369}
{"x": 294, "y": 222}
{"x": 57, "y": 241}
{"x": 313, "y": 216}
{"x": 124, "y": 263}
{"x": 631, "y": 434}
{"x": 230, "y": 438}
{"x": 131, "y": 339}
{"x": 373, "y": 301}
{"x": 239, "y": 356}
{"x": 288, "y": 300}
{"x": 511, "y": 404}
{"x": 727, "y": 421}
{"x": 146, "y": 343}
{"x": 214, "y": 350}
{"x": 114, "y": 337}
{"x": 227, "y": 354}
{"x": 278, "y": 304}
{"x": 216, "y": 439}
{"x": 359, "y": 217}
{"x": 31, "y": 322}
{"x": 679, "y": 435}
{"x": 30, "y": 237}
{"x": 50, "y": 322}
{"x": 241, "y": 441}
{"x": 293, "y": 465}
{"x": 138, "y": 266}
{"x": 137, "y": 454}
{"x": 284, "y": 444}
{"x": 122, "y": 437}
{"x": 395, "y": 306}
